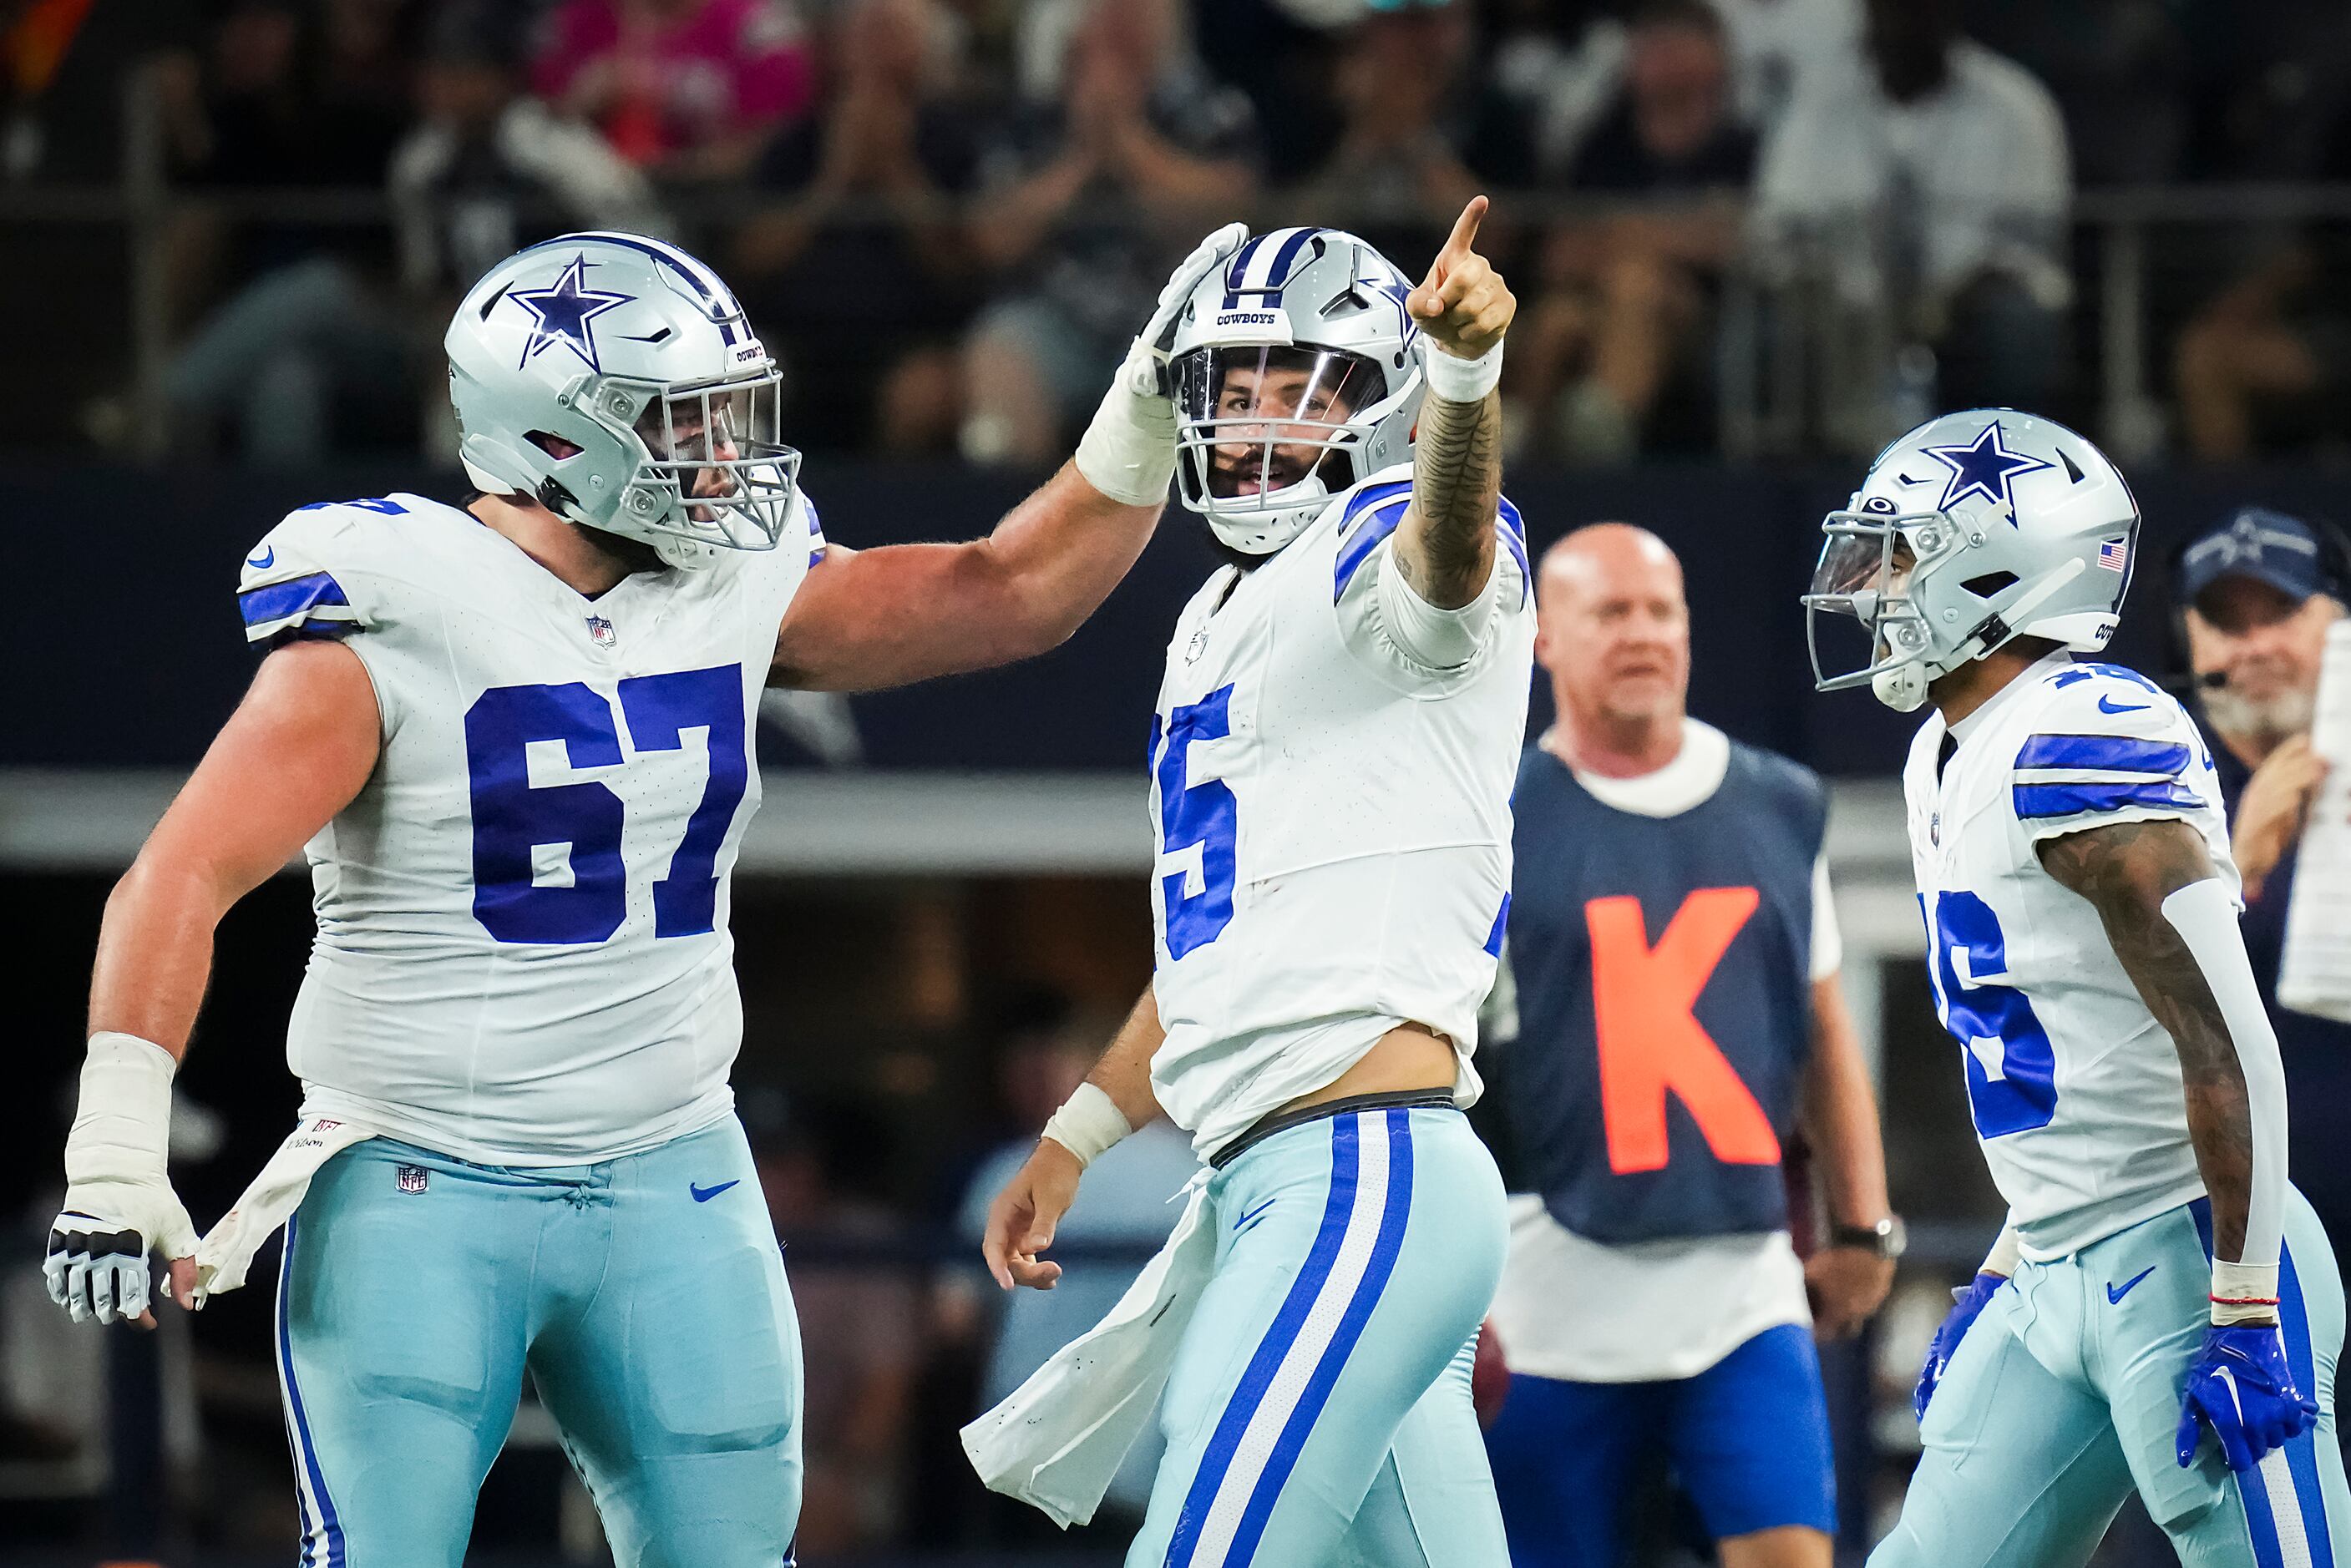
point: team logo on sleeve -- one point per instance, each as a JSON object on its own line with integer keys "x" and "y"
{"x": 567, "y": 313}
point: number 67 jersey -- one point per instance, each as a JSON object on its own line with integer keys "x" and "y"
{"x": 2074, "y": 1088}
{"x": 1331, "y": 818}
{"x": 522, "y": 955}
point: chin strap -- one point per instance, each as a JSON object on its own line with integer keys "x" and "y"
{"x": 1904, "y": 687}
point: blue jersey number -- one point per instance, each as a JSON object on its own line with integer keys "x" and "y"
{"x": 513, "y": 818}
{"x": 2011, "y": 1067}
{"x": 1202, "y": 813}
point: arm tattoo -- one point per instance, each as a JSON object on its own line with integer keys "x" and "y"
{"x": 1445, "y": 548}
{"x": 2126, "y": 871}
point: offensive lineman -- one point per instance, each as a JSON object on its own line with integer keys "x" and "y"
{"x": 516, "y": 742}
{"x": 1332, "y": 763}
{"x": 2158, "y": 1282}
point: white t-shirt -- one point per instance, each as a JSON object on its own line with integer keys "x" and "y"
{"x": 1586, "y": 1312}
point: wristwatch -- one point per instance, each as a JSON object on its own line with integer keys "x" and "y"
{"x": 1885, "y": 1240}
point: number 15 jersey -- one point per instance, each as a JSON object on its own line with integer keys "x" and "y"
{"x": 2074, "y": 1088}
{"x": 522, "y": 955}
{"x": 1331, "y": 818}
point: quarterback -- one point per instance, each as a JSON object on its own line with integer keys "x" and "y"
{"x": 2162, "y": 1311}
{"x": 1331, "y": 769}
{"x": 516, "y": 739}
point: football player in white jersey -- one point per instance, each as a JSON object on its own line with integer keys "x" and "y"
{"x": 516, "y": 739}
{"x": 2162, "y": 1311}
{"x": 1331, "y": 762}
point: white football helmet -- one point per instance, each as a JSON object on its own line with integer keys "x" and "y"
{"x": 1296, "y": 372}
{"x": 1972, "y": 530}
{"x": 613, "y": 378}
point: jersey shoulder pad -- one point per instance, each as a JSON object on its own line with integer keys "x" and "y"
{"x": 2099, "y": 743}
{"x": 311, "y": 575}
{"x": 813, "y": 537}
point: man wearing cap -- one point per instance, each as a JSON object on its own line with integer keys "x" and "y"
{"x": 2255, "y": 593}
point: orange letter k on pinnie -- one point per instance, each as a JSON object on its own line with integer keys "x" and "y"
{"x": 1650, "y": 1039}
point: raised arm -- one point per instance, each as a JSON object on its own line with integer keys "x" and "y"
{"x": 906, "y": 612}
{"x": 1445, "y": 545}
{"x": 297, "y": 749}
{"x": 2146, "y": 879}
{"x": 870, "y": 619}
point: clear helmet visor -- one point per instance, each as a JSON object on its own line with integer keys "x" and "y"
{"x": 1858, "y": 616}
{"x": 1259, "y": 426}
{"x": 715, "y": 469}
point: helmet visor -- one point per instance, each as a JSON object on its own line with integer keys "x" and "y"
{"x": 1858, "y": 618}
{"x": 715, "y": 455}
{"x": 1256, "y": 422}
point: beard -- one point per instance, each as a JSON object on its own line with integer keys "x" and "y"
{"x": 2264, "y": 721}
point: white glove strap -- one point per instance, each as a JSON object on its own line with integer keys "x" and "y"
{"x": 123, "y": 1126}
{"x": 1460, "y": 380}
{"x": 1088, "y": 1123}
{"x": 2244, "y": 1292}
{"x": 1128, "y": 452}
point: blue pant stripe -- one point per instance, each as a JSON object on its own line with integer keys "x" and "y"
{"x": 1301, "y": 1425}
{"x": 306, "y": 1452}
{"x": 1250, "y": 1391}
{"x": 2301, "y": 1454}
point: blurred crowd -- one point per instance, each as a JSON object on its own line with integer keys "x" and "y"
{"x": 947, "y": 215}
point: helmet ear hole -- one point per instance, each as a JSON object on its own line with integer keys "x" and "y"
{"x": 1991, "y": 585}
{"x": 553, "y": 445}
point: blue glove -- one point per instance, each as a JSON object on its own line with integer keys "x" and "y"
{"x": 1967, "y": 1304}
{"x": 2241, "y": 1385}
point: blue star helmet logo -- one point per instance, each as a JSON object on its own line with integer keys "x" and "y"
{"x": 565, "y": 312}
{"x": 1983, "y": 467}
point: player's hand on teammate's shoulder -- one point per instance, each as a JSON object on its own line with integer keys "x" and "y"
{"x": 1463, "y": 304}
{"x": 1847, "y": 1285}
{"x": 1021, "y": 1221}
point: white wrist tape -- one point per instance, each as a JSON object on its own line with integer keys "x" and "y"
{"x": 1460, "y": 380}
{"x": 2003, "y": 1257}
{"x": 2204, "y": 916}
{"x": 122, "y": 1124}
{"x": 2244, "y": 1292}
{"x": 1128, "y": 452}
{"x": 1088, "y": 1123}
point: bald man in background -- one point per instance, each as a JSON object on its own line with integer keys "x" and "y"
{"x": 1674, "y": 958}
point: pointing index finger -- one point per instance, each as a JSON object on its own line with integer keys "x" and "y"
{"x": 1463, "y": 238}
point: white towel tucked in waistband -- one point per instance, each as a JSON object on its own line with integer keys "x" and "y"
{"x": 1056, "y": 1442}
{"x": 226, "y": 1252}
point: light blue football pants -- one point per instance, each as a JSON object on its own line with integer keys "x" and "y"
{"x": 1318, "y": 1412}
{"x": 646, "y": 1298}
{"x": 2064, "y": 1395}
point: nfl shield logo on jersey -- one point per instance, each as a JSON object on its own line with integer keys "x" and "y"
{"x": 601, "y": 631}
{"x": 412, "y": 1178}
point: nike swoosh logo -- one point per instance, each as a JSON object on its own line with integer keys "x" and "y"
{"x": 263, "y": 561}
{"x": 704, "y": 1194}
{"x": 1252, "y": 1217}
{"x": 2108, "y": 705}
{"x": 2116, "y": 1294}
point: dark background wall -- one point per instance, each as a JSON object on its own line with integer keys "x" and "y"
{"x": 124, "y": 647}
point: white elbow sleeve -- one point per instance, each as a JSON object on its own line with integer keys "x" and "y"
{"x": 2204, "y": 916}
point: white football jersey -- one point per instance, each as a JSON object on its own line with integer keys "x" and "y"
{"x": 1332, "y": 816}
{"x": 2074, "y": 1088}
{"x": 522, "y": 955}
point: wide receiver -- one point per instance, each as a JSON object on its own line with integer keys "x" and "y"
{"x": 2162, "y": 1311}
{"x": 1331, "y": 760}
{"x": 516, "y": 740}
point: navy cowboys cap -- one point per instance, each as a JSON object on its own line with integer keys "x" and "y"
{"x": 2267, "y": 546}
